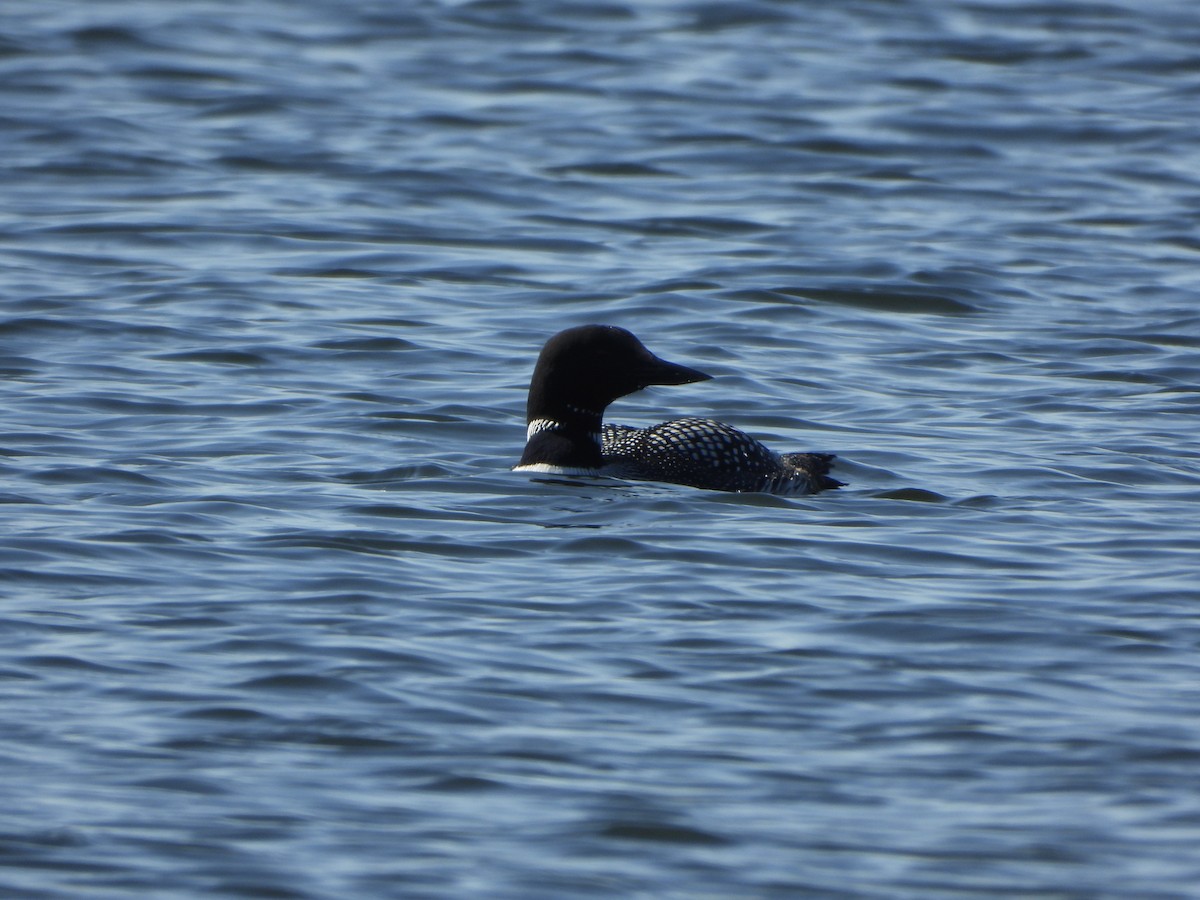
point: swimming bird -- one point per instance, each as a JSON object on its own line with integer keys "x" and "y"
{"x": 581, "y": 370}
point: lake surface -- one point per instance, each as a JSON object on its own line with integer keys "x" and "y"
{"x": 277, "y": 620}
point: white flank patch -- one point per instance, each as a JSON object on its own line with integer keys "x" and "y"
{"x": 547, "y": 469}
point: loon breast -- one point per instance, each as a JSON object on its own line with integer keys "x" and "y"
{"x": 708, "y": 454}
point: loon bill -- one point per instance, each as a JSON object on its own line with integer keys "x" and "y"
{"x": 582, "y": 370}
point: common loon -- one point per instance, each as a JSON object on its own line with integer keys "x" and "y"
{"x": 582, "y": 370}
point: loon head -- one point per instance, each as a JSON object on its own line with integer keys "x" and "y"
{"x": 588, "y": 367}
{"x": 579, "y": 373}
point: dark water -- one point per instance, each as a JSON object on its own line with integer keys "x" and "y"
{"x": 277, "y": 620}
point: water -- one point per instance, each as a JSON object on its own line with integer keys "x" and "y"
{"x": 277, "y": 619}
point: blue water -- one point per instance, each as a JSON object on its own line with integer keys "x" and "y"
{"x": 278, "y": 621}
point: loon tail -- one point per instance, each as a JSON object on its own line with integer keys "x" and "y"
{"x": 817, "y": 465}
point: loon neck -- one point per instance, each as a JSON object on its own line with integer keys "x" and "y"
{"x": 567, "y": 437}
